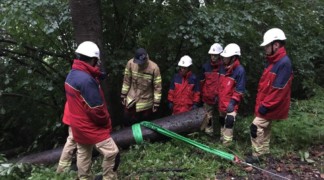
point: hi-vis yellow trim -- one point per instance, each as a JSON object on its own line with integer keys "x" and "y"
{"x": 126, "y": 72}
{"x": 228, "y": 138}
{"x": 141, "y": 75}
{"x": 157, "y": 96}
{"x": 125, "y": 88}
{"x": 143, "y": 106}
{"x": 257, "y": 149}
{"x": 65, "y": 164}
{"x": 158, "y": 79}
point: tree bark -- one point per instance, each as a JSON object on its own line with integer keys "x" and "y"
{"x": 86, "y": 20}
{"x": 182, "y": 124}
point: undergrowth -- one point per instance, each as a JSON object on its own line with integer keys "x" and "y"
{"x": 177, "y": 160}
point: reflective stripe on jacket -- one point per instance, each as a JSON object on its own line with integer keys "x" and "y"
{"x": 275, "y": 87}
{"x": 210, "y": 82}
{"x": 89, "y": 118}
{"x": 184, "y": 92}
{"x": 142, "y": 86}
{"x": 232, "y": 85}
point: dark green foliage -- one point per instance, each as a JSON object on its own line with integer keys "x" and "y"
{"x": 306, "y": 125}
{"x": 34, "y": 63}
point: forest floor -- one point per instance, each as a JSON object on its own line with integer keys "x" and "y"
{"x": 290, "y": 166}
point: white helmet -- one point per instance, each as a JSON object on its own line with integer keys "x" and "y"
{"x": 272, "y": 35}
{"x": 215, "y": 49}
{"x": 89, "y": 49}
{"x": 185, "y": 61}
{"x": 231, "y": 50}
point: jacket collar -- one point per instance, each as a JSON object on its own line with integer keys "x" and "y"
{"x": 187, "y": 75}
{"x": 83, "y": 66}
{"x": 281, "y": 52}
{"x": 229, "y": 69}
{"x": 215, "y": 64}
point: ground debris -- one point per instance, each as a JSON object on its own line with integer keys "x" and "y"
{"x": 289, "y": 166}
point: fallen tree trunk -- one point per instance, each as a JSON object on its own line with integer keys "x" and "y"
{"x": 182, "y": 124}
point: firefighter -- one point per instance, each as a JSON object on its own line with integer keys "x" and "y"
{"x": 141, "y": 90}
{"x": 184, "y": 91}
{"x": 231, "y": 90}
{"x": 89, "y": 118}
{"x": 209, "y": 86}
{"x": 273, "y": 97}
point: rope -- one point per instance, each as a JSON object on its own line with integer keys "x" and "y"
{"x": 269, "y": 172}
{"x": 137, "y": 133}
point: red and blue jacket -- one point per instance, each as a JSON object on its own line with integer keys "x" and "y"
{"x": 210, "y": 82}
{"x": 231, "y": 85}
{"x": 184, "y": 92}
{"x": 89, "y": 118}
{"x": 274, "y": 87}
{"x": 66, "y": 119}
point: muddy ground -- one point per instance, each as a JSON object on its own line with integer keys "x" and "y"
{"x": 291, "y": 166}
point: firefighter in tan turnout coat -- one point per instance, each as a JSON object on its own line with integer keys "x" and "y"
{"x": 141, "y": 90}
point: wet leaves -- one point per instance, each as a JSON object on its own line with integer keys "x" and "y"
{"x": 291, "y": 166}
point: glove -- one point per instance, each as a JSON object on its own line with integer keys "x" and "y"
{"x": 155, "y": 108}
{"x": 263, "y": 110}
{"x": 170, "y": 105}
{"x": 195, "y": 106}
{"x": 231, "y": 106}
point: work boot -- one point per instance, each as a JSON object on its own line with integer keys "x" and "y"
{"x": 261, "y": 158}
{"x": 252, "y": 159}
{"x": 98, "y": 177}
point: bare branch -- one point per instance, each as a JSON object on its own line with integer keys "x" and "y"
{"x": 34, "y": 49}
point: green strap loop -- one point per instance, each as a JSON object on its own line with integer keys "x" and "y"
{"x": 137, "y": 133}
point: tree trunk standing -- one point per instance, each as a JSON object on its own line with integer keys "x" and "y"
{"x": 86, "y": 20}
{"x": 87, "y": 24}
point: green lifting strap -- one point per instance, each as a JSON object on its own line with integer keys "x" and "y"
{"x": 159, "y": 129}
{"x": 137, "y": 133}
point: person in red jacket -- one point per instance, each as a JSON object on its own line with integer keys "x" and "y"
{"x": 89, "y": 118}
{"x": 209, "y": 86}
{"x": 273, "y": 97}
{"x": 231, "y": 90}
{"x": 184, "y": 92}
